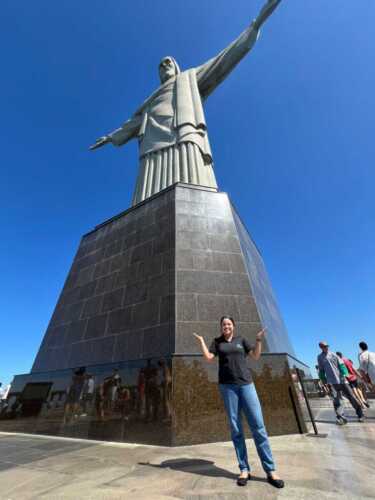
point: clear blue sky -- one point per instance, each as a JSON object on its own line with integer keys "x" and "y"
{"x": 297, "y": 154}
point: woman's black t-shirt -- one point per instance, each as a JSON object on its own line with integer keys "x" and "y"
{"x": 233, "y": 364}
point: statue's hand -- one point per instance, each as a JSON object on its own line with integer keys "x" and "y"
{"x": 265, "y": 12}
{"x": 273, "y": 3}
{"x": 100, "y": 142}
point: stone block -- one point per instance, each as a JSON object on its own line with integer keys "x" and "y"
{"x": 113, "y": 248}
{"x": 212, "y": 307}
{"x": 136, "y": 293}
{"x": 230, "y": 283}
{"x": 186, "y": 343}
{"x": 196, "y": 282}
{"x": 106, "y": 284}
{"x": 96, "y": 326}
{"x": 186, "y": 307}
{"x": 113, "y": 300}
{"x": 120, "y": 320}
{"x": 92, "y": 307}
{"x": 157, "y": 341}
{"x": 146, "y": 314}
{"x": 76, "y": 331}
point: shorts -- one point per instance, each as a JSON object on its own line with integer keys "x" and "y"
{"x": 353, "y": 384}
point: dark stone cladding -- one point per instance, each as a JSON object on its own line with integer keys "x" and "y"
{"x": 144, "y": 281}
{"x": 211, "y": 277}
{"x": 199, "y": 415}
{"x": 184, "y": 407}
{"x": 140, "y": 284}
{"x": 117, "y": 303}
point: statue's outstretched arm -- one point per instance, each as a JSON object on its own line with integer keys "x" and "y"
{"x": 214, "y": 71}
{"x": 122, "y": 135}
{"x": 265, "y": 12}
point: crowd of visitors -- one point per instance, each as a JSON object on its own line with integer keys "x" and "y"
{"x": 338, "y": 378}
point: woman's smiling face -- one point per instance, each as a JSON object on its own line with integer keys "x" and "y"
{"x": 227, "y": 328}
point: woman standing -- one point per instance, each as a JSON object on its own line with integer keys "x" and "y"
{"x": 239, "y": 394}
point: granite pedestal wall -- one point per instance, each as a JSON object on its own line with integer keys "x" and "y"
{"x": 118, "y": 300}
{"x": 140, "y": 285}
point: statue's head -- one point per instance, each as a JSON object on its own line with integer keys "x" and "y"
{"x": 168, "y": 68}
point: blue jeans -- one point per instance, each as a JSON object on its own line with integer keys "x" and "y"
{"x": 238, "y": 398}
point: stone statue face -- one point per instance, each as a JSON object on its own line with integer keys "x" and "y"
{"x": 167, "y": 69}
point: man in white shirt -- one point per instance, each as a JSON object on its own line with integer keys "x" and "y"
{"x": 367, "y": 362}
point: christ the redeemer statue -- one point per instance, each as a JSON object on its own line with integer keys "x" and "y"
{"x": 170, "y": 125}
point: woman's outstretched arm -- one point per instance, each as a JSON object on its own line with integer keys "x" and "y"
{"x": 206, "y": 353}
{"x": 257, "y": 350}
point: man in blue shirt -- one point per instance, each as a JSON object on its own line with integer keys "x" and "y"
{"x": 332, "y": 372}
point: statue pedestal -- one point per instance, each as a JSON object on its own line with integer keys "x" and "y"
{"x": 140, "y": 285}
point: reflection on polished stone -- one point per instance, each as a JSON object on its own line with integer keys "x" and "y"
{"x": 199, "y": 414}
{"x": 172, "y": 401}
{"x": 120, "y": 402}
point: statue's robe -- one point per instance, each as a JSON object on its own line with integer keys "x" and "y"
{"x": 171, "y": 127}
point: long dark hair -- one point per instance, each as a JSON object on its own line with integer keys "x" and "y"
{"x": 227, "y": 317}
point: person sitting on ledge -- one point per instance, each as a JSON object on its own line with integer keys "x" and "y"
{"x": 238, "y": 393}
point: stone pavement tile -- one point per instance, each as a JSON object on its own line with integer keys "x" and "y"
{"x": 132, "y": 489}
{"x": 338, "y": 467}
{"x": 89, "y": 467}
{"x": 60, "y": 446}
{"x": 21, "y": 456}
{"x": 301, "y": 493}
{"x": 120, "y": 455}
{"x": 26, "y": 484}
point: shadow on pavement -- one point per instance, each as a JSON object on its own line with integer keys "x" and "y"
{"x": 198, "y": 466}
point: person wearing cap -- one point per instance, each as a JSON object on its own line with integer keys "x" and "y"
{"x": 332, "y": 371}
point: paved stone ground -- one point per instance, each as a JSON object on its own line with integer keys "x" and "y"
{"x": 340, "y": 466}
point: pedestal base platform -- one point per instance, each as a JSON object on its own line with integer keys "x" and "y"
{"x": 165, "y": 402}
{"x": 119, "y": 361}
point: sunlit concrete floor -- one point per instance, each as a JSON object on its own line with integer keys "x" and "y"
{"x": 340, "y": 466}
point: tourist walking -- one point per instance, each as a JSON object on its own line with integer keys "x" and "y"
{"x": 239, "y": 395}
{"x": 352, "y": 378}
{"x": 332, "y": 372}
{"x": 367, "y": 363}
{"x": 88, "y": 395}
{"x": 74, "y": 392}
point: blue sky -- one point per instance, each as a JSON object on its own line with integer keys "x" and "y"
{"x": 292, "y": 133}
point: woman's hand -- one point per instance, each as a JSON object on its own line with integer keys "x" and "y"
{"x": 256, "y": 352}
{"x": 198, "y": 337}
{"x": 206, "y": 353}
{"x": 260, "y": 335}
